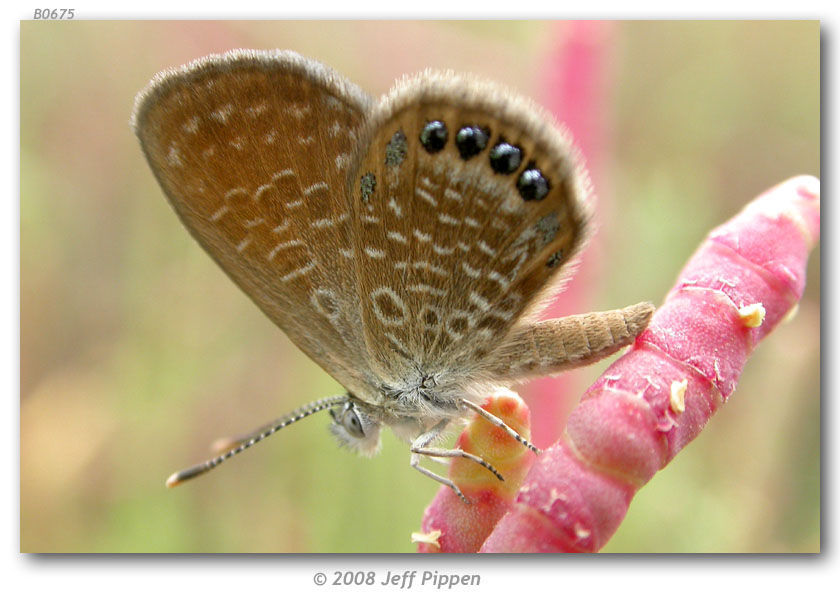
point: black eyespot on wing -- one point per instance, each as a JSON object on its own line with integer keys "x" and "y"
{"x": 505, "y": 158}
{"x": 471, "y": 140}
{"x": 532, "y": 185}
{"x": 434, "y": 136}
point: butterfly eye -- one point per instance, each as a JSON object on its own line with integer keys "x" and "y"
{"x": 356, "y": 429}
{"x": 433, "y": 137}
{"x": 505, "y": 159}
{"x": 352, "y": 423}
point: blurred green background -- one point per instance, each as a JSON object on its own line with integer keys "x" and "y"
{"x": 137, "y": 351}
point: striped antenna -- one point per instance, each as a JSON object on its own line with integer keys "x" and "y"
{"x": 259, "y": 435}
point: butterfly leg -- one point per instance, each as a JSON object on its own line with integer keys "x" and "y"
{"x": 439, "y": 478}
{"x": 420, "y": 448}
{"x": 499, "y": 423}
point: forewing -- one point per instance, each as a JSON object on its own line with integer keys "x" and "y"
{"x": 454, "y": 248}
{"x": 252, "y": 150}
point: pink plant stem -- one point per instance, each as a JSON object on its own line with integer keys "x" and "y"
{"x": 741, "y": 282}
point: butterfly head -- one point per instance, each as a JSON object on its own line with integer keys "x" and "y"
{"x": 356, "y": 428}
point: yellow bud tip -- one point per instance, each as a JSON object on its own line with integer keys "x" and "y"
{"x": 431, "y": 538}
{"x": 753, "y": 315}
{"x": 678, "y": 389}
{"x": 173, "y": 480}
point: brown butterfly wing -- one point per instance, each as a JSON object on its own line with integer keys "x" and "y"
{"x": 252, "y": 149}
{"x": 451, "y": 254}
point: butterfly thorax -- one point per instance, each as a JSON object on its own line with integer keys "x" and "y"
{"x": 419, "y": 396}
{"x": 413, "y": 405}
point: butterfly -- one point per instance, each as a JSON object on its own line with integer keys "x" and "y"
{"x": 405, "y": 244}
